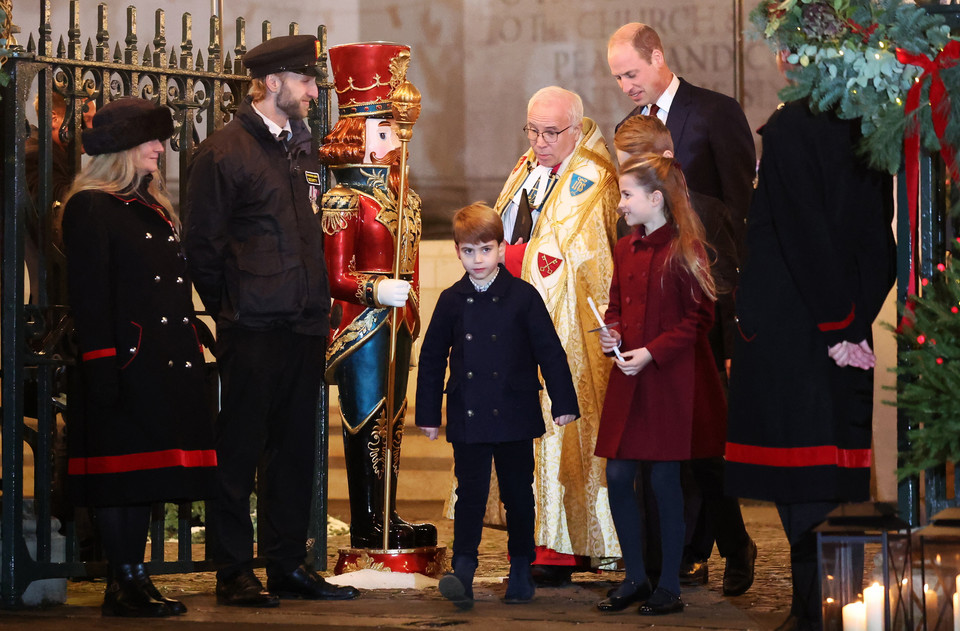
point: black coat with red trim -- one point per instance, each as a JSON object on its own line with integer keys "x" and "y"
{"x": 821, "y": 260}
{"x": 141, "y": 429}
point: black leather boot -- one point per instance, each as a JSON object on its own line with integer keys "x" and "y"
{"x": 425, "y": 534}
{"x": 125, "y": 597}
{"x": 364, "y": 455}
{"x": 143, "y": 580}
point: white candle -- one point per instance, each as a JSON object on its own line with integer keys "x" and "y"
{"x": 956, "y": 612}
{"x": 596, "y": 313}
{"x": 854, "y": 617}
{"x": 873, "y": 601}
{"x": 930, "y": 601}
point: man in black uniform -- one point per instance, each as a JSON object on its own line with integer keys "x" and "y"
{"x": 255, "y": 250}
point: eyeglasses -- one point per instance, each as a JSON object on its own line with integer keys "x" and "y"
{"x": 549, "y": 136}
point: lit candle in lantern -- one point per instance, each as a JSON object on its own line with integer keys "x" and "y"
{"x": 930, "y": 606}
{"x": 854, "y": 617}
{"x": 956, "y": 611}
{"x": 873, "y": 602}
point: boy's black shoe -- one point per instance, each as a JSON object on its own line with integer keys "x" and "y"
{"x": 520, "y": 585}
{"x": 457, "y": 587}
{"x": 456, "y": 592}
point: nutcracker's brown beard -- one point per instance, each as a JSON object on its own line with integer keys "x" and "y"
{"x": 393, "y": 157}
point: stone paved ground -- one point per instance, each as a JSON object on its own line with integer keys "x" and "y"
{"x": 557, "y": 609}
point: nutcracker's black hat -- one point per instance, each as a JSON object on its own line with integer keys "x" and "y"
{"x": 125, "y": 123}
{"x": 288, "y": 53}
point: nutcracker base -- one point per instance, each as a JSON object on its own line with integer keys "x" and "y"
{"x": 429, "y": 561}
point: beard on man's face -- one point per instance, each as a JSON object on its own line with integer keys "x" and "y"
{"x": 295, "y": 109}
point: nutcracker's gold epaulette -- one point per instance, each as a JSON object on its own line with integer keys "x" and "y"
{"x": 339, "y": 205}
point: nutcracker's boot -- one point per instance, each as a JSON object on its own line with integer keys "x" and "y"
{"x": 364, "y": 455}
{"x": 424, "y": 534}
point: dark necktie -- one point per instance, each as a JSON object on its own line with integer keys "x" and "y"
{"x": 654, "y": 108}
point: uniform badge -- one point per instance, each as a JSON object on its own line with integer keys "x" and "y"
{"x": 547, "y": 264}
{"x": 579, "y": 184}
{"x": 312, "y": 178}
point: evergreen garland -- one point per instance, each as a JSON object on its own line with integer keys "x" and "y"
{"x": 929, "y": 387}
{"x": 844, "y": 54}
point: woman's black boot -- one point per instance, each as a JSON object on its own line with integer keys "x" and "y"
{"x": 125, "y": 598}
{"x": 143, "y": 579}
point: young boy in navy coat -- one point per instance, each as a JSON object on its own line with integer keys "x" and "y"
{"x": 496, "y": 332}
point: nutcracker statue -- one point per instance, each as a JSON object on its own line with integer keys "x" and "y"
{"x": 371, "y": 222}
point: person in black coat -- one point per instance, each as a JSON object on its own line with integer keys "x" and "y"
{"x": 255, "y": 247}
{"x": 496, "y": 331}
{"x": 821, "y": 262}
{"x": 140, "y": 431}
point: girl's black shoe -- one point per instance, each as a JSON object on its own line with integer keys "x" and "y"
{"x": 626, "y": 594}
{"x": 661, "y": 603}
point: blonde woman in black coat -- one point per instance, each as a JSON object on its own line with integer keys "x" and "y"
{"x": 140, "y": 430}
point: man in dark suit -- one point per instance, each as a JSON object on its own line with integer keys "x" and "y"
{"x": 713, "y": 144}
{"x": 710, "y": 132}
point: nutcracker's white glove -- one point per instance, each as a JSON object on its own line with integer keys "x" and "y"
{"x": 392, "y": 292}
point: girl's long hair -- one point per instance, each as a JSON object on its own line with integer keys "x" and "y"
{"x": 116, "y": 173}
{"x": 654, "y": 172}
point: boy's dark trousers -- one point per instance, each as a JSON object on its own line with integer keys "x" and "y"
{"x": 514, "y": 462}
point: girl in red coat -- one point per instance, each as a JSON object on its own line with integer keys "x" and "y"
{"x": 664, "y": 403}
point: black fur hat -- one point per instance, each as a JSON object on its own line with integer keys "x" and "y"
{"x": 126, "y": 123}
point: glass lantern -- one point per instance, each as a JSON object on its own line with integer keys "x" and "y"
{"x": 864, "y": 556}
{"x": 938, "y": 555}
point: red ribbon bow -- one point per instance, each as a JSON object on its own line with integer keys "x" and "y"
{"x": 940, "y": 112}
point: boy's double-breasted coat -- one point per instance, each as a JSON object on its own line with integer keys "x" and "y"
{"x": 495, "y": 341}
{"x": 142, "y": 429}
{"x": 674, "y": 409}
